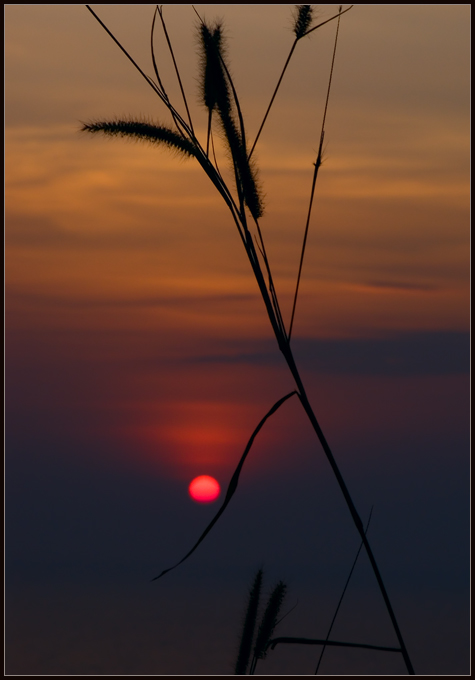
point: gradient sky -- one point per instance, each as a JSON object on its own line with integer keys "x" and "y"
{"x": 139, "y": 354}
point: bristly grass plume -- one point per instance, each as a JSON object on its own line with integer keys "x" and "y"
{"x": 303, "y": 20}
{"x": 219, "y": 95}
{"x": 144, "y": 132}
{"x": 247, "y": 635}
{"x": 268, "y": 623}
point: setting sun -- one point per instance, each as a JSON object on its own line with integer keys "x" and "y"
{"x": 204, "y": 489}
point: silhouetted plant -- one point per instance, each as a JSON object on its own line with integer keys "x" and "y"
{"x": 268, "y": 623}
{"x": 266, "y": 628}
{"x": 264, "y": 640}
{"x": 245, "y": 204}
{"x": 247, "y": 634}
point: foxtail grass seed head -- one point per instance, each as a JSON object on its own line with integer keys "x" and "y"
{"x": 249, "y": 626}
{"x": 211, "y": 44}
{"x": 303, "y": 19}
{"x": 269, "y": 620}
{"x": 139, "y": 130}
{"x": 251, "y": 190}
{"x": 214, "y": 87}
{"x": 216, "y": 94}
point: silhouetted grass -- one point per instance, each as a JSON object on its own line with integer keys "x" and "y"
{"x": 145, "y": 132}
{"x": 268, "y": 623}
{"x": 245, "y": 204}
{"x": 247, "y": 635}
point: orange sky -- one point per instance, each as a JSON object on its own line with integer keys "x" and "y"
{"x": 130, "y": 248}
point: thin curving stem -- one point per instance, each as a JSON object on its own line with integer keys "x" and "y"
{"x": 160, "y": 12}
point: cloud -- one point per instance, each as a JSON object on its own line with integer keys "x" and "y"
{"x": 410, "y": 353}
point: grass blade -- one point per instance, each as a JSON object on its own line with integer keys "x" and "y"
{"x": 232, "y": 484}
{"x": 160, "y": 12}
{"x": 154, "y": 86}
{"x": 152, "y": 50}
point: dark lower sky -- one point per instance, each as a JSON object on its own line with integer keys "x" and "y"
{"x": 84, "y": 537}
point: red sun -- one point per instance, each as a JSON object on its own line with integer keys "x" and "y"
{"x": 204, "y": 489}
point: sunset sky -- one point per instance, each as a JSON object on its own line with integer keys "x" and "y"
{"x": 139, "y": 354}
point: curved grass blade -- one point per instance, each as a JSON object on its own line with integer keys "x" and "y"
{"x": 144, "y": 75}
{"x": 156, "y": 88}
{"x": 160, "y": 12}
{"x": 232, "y": 484}
{"x": 152, "y": 50}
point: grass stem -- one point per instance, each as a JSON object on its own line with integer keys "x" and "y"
{"x": 330, "y": 643}
{"x": 342, "y": 595}
{"x": 318, "y": 163}
{"x": 160, "y": 12}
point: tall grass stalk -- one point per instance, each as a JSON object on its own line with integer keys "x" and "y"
{"x": 301, "y": 28}
{"x": 244, "y": 202}
{"x": 318, "y": 163}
